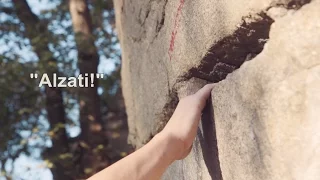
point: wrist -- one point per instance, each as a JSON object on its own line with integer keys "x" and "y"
{"x": 174, "y": 147}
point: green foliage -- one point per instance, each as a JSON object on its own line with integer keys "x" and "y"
{"x": 23, "y": 123}
{"x": 21, "y": 104}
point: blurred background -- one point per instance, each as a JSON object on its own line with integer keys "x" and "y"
{"x": 59, "y": 133}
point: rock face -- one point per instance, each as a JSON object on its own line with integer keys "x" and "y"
{"x": 267, "y": 113}
{"x": 263, "y": 121}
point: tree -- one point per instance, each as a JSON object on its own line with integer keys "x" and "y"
{"x": 26, "y": 108}
{"x": 37, "y": 33}
{"x": 88, "y": 60}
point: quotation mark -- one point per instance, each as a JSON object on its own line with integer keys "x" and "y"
{"x": 98, "y": 76}
{"x": 33, "y": 75}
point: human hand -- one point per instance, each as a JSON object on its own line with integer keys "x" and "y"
{"x": 172, "y": 143}
{"x": 182, "y": 126}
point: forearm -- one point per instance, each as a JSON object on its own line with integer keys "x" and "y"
{"x": 149, "y": 162}
{"x": 174, "y": 142}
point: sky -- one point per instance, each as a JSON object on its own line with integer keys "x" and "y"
{"x": 28, "y": 168}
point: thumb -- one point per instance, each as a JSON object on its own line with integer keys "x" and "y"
{"x": 203, "y": 94}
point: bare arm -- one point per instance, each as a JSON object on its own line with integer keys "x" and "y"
{"x": 172, "y": 143}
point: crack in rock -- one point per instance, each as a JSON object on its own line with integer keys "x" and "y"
{"x": 223, "y": 58}
{"x": 226, "y": 55}
{"x": 291, "y": 5}
{"x": 232, "y": 51}
{"x": 161, "y": 22}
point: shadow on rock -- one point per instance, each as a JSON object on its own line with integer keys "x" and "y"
{"x": 208, "y": 142}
